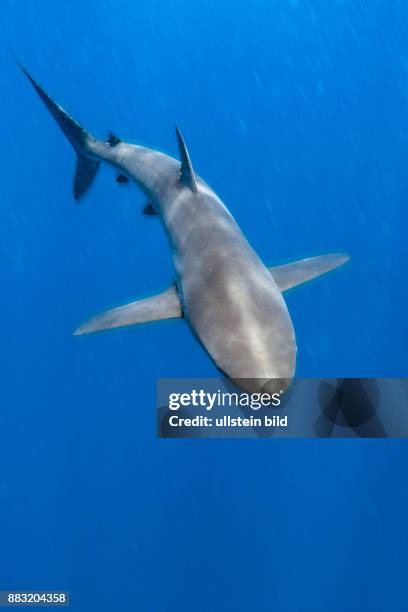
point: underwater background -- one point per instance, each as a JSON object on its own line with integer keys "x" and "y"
{"x": 296, "y": 113}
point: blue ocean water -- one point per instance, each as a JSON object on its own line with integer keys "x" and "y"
{"x": 296, "y": 114}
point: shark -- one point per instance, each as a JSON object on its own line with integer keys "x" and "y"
{"x": 232, "y": 301}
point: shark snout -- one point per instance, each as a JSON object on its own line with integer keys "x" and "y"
{"x": 276, "y": 385}
{"x": 270, "y": 386}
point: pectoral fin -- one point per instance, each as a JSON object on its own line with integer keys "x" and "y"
{"x": 293, "y": 274}
{"x": 166, "y": 305}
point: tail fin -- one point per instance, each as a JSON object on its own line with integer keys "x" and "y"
{"x": 86, "y": 167}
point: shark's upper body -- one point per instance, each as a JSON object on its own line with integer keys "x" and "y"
{"x": 232, "y": 301}
{"x": 228, "y": 296}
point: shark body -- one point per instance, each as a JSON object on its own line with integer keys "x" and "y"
{"x": 231, "y": 300}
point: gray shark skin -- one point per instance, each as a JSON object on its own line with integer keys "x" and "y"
{"x": 232, "y": 302}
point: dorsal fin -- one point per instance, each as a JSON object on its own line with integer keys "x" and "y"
{"x": 187, "y": 177}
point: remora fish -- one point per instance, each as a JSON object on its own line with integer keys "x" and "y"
{"x": 232, "y": 301}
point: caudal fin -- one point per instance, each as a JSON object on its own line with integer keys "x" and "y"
{"x": 79, "y": 138}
